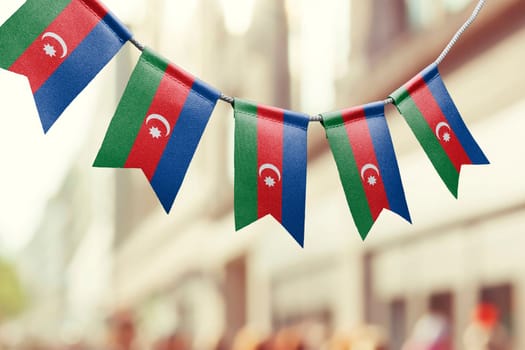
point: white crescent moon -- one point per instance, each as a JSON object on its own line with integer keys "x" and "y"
{"x": 368, "y": 167}
{"x": 269, "y": 167}
{"x": 439, "y": 127}
{"x": 160, "y": 119}
{"x": 60, "y": 41}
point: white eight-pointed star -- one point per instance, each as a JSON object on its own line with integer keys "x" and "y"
{"x": 447, "y": 137}
{"x": 50, "y": 50}
{"x": 372, "y": 181}
{"x": 155, "y": 132}
{"x": 269, "y": 181}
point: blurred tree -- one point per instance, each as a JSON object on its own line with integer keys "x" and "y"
{"x": 12, "y": 297}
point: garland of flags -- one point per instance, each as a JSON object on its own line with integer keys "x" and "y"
{"x": 61, "y": 45}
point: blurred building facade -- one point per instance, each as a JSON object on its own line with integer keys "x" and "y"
{"x": 190, "y": 271}
{"x": 457, "y": 254}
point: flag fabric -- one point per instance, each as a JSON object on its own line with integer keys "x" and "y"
{"x": 270, "y": 166}
{"x": 435, "y": 120}
{"x": 367, "y": 164}
{"x": 158, "y": 124}
{"x": 60, "y": 46}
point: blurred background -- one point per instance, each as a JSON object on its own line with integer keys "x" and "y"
{"x": 89, "y": 260}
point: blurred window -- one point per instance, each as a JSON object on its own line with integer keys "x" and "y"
{"x": 398, "y": 331}
{"x": 235, "y": 296}
{"x": 318, "y": 53}
{"x": 500, "y": 296}
{"x": 425, "y": 13}
{"x": 388, "y": 22}
{"x": 455, "y": 5}
{"x": 443, "y": 304}
{"x": 421, "y": 12}
{"x": 392, "y": 18}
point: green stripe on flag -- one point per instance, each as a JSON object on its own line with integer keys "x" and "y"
{"x": 348, "y": 172}
{"x": 131, "y": 111}
{"x": 427, "y": 139}
{"x": 246, "y": 161}
{"x": 24, "y": 27}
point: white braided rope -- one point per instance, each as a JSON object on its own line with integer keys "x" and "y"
{"x": 454, "y": 40}
{"x": 461, "y": 30}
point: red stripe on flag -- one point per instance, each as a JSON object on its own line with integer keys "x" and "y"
{"x": 163, "y": 113}
{"x": 429, "y": 108}
{"x": 270, "y": 131}
{"x": 99, "y": 9}
{"x": 65, "y": 33}
{"x": 181, "y": 76}
{"x": 366, "y": 160}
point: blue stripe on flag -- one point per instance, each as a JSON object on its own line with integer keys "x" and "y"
{"x": 294, "y": 174}
{"x": 449, "y": 109}
{"x": 184, "y": 140}
{"x": 386, "y": 157}
{"x": 75, "y": 73}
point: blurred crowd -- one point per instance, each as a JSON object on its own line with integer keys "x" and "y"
{"x": 432, "y": 332}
